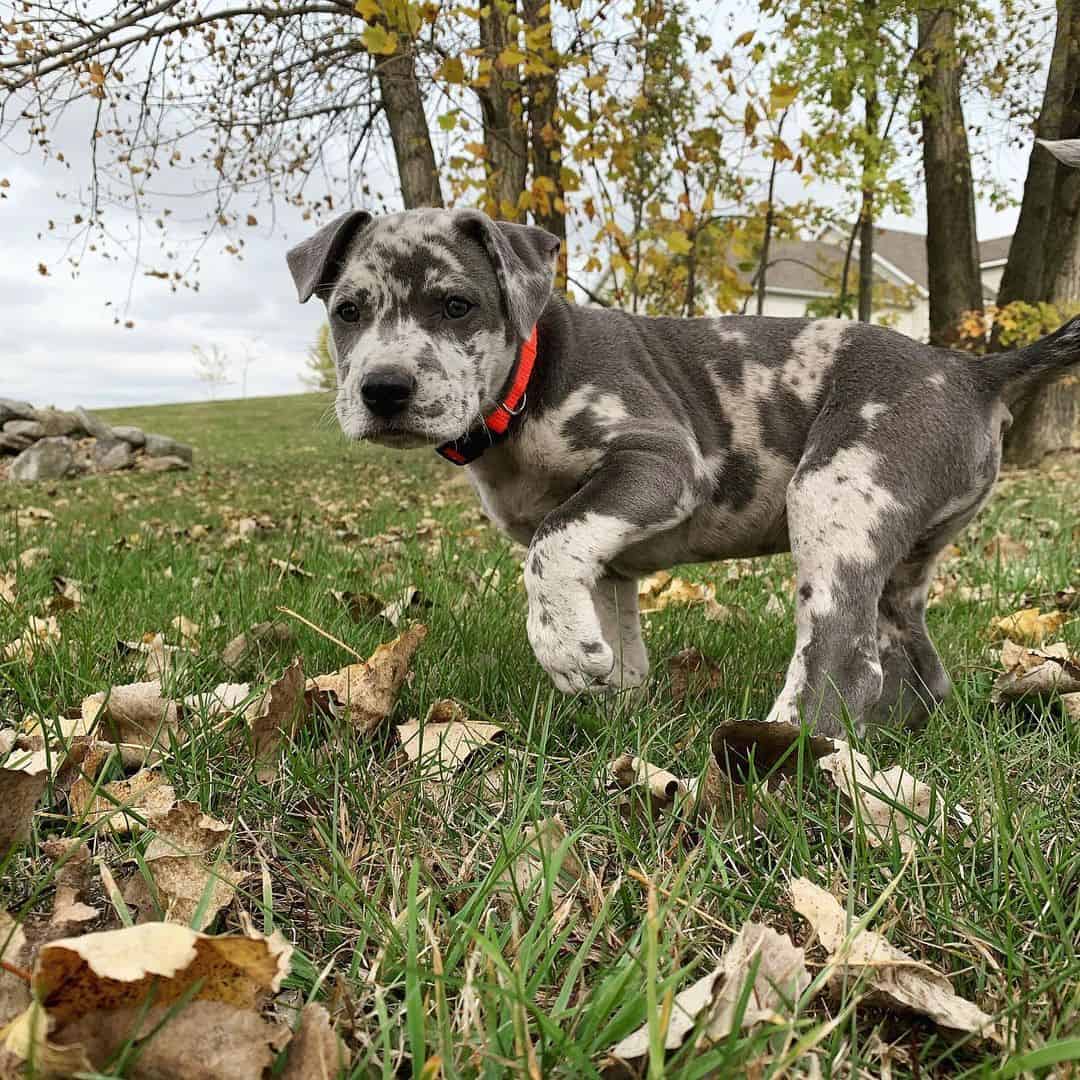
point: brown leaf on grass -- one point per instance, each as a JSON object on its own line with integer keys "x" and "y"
{"x": 360, "y": 606}
{"x": 23, "y": 776}
{"x": 119, "y": 806}
{"x": 135, "y": 714}
{"x": 14, "y": 991}
{"x": 410, "y": 599}
{"x": 1006, "y": 548}
{"x": 95, "y": 989}
{"x": 713, "y": 1000}
{"x": 547, "y": 845}
{"x": 8, "y": 583}
{"x": 27, "y": 517}
{"x": 159, "y": 658}
{"x": 73, "y": 877}
{"x": 26, "y": 1039}
{"x": 67, "y": 594}
{"x": 183, "y": 865}
{"x": 205, "y": 1040}
{"x": 38, "y": 634}
{"x": 661, "y": 590}
{"x": 693, "y": 674}
{"x": 893, "y": 980}
{"x": 1036, "y": 672}
{"x": 1029, "y": 626}
{"x": 447, "y": 736}
{"x": 770, "y": 745}
{"x": 665, "y": 789}
{"x": 186, "y": 630}
{"x": 275, "y": 715}
{"x": 289, "y": 568}
{"x": 886, "y": 802}
{"x": 264, "y": 634}
{"x": 367, "y": 692}
{"x": 31, "y": 556}
{"x": 223, "y": 700}
{"x": 315, "y": 1051}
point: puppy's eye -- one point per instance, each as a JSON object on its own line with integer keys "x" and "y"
{"x": 456, "y": 307}
{"x": 347, "y": 311}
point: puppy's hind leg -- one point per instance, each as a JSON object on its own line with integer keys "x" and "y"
{"x": 616, "y": 603}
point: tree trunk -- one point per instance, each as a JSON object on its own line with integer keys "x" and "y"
{"x": 1025, "y": 276}
{"x": 403, "y": 104}
{"x": 545, "y": 133}
{"x": 952, "y": 250}
{"x": 506, "y": 157}
{"x": 1044, "y": 258}
{"x": 866, "y": 218}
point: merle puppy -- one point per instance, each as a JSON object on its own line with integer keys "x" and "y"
{"x": 614, "y": 445}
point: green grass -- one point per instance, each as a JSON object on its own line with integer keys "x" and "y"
{"x": 389, "y": 884}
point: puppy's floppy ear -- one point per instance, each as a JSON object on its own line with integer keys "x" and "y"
{"x": 315, "y": 263}
{"x": 524, "y": 260}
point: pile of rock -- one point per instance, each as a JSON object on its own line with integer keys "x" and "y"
{"x": 51, "y": 444}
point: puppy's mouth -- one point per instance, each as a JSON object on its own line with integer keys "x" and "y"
{"x": 397, "y": 438}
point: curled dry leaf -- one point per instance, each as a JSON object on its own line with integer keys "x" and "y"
{"x": 547, "y": 845}
{"x": 121, "y": 805}
{"x": 95, "y": 990}
{"x": 158, "y": 657}
{"x": 693, "y": 673}
{"x": 1037, "y": 672}
{"x": 887, "y": 802}
{"x": 181, "y": 860}
{"x": 769, "y": 745}
{"x": 409, "y": 600}
{"x": 8, "y": 585}
{"x": 1029, "y": 626}
{"x": 315, "y": 1051}
{"x": 27, "y": 517}
{"x": 264, "y": 634}
{"x": 30, "y": 556}
{"x": 186, "y": 630}
{"x": 223, "y": 700}
{"x": 712, "y": 1001}
{"x": 26, "y": 1039}
{"x": 275, "y": 715}
{"x": 367, "y": 692}
{"x": 67, "y": 594}
{"x": 661, "y": 590}
{"x": 1006, "y": 548}
{"x": 14, "y": 991}
{"x": 38, "y": 634}
{"x": 135, "y": 714}
{"x": 23, "y": 776}
{"x": 284, "y": 567}
{"x": 446, "y": 737}
{"x": 665, "y": 789}
{"x": 892, "y": 979}
{"x": 73, "y": 877}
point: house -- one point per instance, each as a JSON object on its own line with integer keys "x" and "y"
{"x": 807, "y": 272}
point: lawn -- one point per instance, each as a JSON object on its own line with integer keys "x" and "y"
{"x": 391, "y": 880}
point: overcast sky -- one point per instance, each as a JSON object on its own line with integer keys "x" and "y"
{"x": 60, "y": 343}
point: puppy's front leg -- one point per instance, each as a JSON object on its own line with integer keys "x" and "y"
{"x": 636, "y": 493}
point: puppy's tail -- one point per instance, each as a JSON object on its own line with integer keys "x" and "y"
{"x": 1015, "y": 375}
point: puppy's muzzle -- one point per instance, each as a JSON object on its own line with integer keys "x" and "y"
{"x": 387, "y": 391}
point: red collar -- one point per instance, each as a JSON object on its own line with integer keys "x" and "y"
{"x": 496, "y": 423}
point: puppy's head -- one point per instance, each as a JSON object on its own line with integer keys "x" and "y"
{"x": 427, "y": 311}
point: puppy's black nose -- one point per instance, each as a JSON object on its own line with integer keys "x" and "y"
{"x": 387, "y": 390}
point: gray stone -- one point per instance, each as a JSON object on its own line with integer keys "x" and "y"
{"x": 162, "y": 446}
{"x": 47, "y": 459}
{"x": 110, "y": 456}
{"x": 163, "y": 464}
{"x": 132, "y": 435}
{"x": 15, "y": 410}
{"x": 14, "y": 444}
{"x": 57, "y": 422}
{"x": 93, "y": 425}
{"x": 30, "y": 428}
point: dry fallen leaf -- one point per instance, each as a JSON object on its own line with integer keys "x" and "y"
{"x": 186, "y": 630}
{"x": 94, "y": 989}
{"x": 182, "y": 863}
{"x": 28, "y": 516}
{"x": 39, "y": 634}
{"x": 7, "y": 587}
{"x": 886, "y": 802}
{"x": 446, "y": 737}
{"x": 283, "y": 567}
{"x": 67, "y": 594}
{"x": 134, "y": 713}
{"x": 107, "y": 806}
{"x": 1037, "y": 672}
{"x": 769, "y": 744}
{"x": 315, "y": 1051}
{"x": 32, "y": 556}
{"x": 661, "y": 590}
{"x": 1029, "y": 626}
{"x": 547, "y": 845}
{"x": 159, "y": 658}
{"x": 712, "y": 1001}
{"x": 693, "y": 673}
{"x": 223, "y": 700}
{"x": 23, "y": 776}
{"x": 893, "y": 979}
{"x": 665, "y": 789}
{"x": 73, "y": 873}
{"x": 1005, "y": 547}
{"x": 276, "y": 714}
{"x": 409, "y": 600}
{"x": 367, "y": 692}
{"x": 14, "y": 991}
{"x": 268, "y": 634}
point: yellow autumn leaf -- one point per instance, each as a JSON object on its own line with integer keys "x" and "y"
{"x": 452, "y": 70}
{"x": 510, "y": 57}
{"x": 781, "y": 95}
{"x": 379, "y": 41}
{"x": 679, "y": 243}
